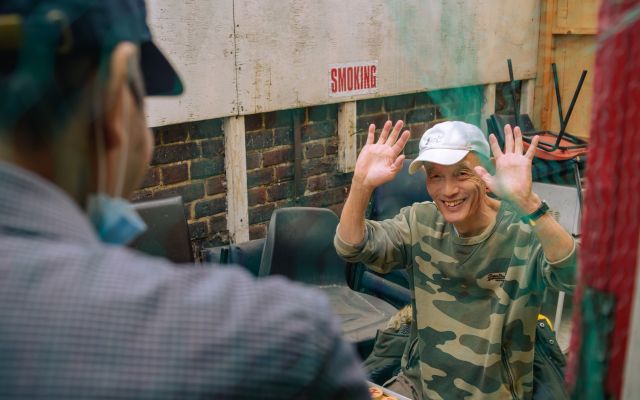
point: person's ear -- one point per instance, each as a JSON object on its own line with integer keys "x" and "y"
{"x": 115, "y": 94}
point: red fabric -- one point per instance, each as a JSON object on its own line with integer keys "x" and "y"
{"x": 611, "y": 221}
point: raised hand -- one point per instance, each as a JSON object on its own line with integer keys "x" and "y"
{"x": 512, "y": 181}
{"x": 379, "y": 162}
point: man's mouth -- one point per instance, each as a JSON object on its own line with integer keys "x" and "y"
{"x": 452, "y": 204}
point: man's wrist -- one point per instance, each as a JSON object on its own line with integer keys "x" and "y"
{"x": 359, "y": 186}
{"x": 531, "y": 204}
{"x": 534, "y": 216}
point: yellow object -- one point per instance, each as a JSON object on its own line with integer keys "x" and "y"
{"x": 543, "y": 317}
{"x": 10, "y": 31}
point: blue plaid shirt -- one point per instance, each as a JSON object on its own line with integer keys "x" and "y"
{"x": 80, "y": 319}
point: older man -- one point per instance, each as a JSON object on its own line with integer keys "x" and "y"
{"x": 478, "y": 264}
{"x": 83, "y": 317}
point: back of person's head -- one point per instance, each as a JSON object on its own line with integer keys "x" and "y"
{"x": 73, "y": 76}
{"x": 54, "y": 53}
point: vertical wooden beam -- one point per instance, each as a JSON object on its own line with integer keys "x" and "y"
{"x": 488, "y": 105}
{"x": 544, "y": 83}
{"x": 298, "y": 116}
{"x": 527, "y": 93}
{"x": 235, "y": 164}
{"x": 347, "y": 138}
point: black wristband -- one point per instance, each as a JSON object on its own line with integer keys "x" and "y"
{"x": 531, "y": 218}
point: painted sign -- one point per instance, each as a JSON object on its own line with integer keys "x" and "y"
{"x": 353, "y": 78}
{"x": 242, "y": 57}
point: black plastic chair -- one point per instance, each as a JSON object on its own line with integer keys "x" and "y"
{"x": 403, "y": 191}
{"x": 246, "y": 254}
{"x": 300, "y": 246}
{"x": 168, "y": 232}
{"x": 386, "y": 202}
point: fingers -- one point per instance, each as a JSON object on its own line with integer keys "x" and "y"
{"x": 517, "y": 136}
{"x": 486, "y": 177}
{"x": 372, "y": 134}
{"x": 495, "y": 147}
{"x": 395, "y": 133}
{"x": 531, "y": 151}
{"x": 399, "y": 145}
{"x": 385, "y": 133}
{"x": 397, "y": 164}
{"x": 508, "y": 139}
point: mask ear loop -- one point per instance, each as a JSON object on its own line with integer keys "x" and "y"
{"x": 100, "y": 142}
{"x": 122, "y": 164}
{"x": 101, "y": 147}
{"x": 126, "y": 113}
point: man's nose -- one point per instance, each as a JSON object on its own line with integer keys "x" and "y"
{"x": 450, "y": 187}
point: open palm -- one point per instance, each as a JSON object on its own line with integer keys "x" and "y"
{"x": 512, "y": 180}
{"x": 379, "y": 162}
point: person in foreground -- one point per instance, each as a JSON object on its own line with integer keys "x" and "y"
{"x": 478, "y": 264}
{"x": 84, "y": 317}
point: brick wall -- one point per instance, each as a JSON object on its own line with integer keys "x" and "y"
{"x": 420, "y": 111}
{"x": 270, "y": 163}
{"x": 189, "y": 158}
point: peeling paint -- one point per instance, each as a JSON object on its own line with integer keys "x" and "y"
{"x": 277, "y": 52}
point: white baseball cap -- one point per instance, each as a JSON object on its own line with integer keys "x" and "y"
{"x": 448, "y": 142}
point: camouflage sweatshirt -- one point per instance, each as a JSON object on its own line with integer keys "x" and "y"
{"x": 475, "y": 299}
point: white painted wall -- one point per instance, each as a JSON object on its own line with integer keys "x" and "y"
{"x": 197, "y": 36}
{"x": 284, "y": 49}
{"x": 286, "y": 46}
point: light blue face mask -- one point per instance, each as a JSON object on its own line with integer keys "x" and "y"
{"x": 115, "y": 219}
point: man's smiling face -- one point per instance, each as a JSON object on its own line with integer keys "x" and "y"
{"x": 458, "y": 192}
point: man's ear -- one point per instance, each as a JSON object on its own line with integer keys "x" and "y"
{"x": 114, "y": 94}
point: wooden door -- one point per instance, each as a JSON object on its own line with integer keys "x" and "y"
{"x": 567, "y": 37}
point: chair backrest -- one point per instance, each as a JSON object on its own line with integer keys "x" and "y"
{"x": 168, "y": 233}
{"x": 299, "y": 246}
{"x": 403, "y": 191}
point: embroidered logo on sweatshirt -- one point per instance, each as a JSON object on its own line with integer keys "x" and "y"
{"x": 498, "y": 276}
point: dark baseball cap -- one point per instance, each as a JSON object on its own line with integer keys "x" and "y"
{"x": 74, "y": 26}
